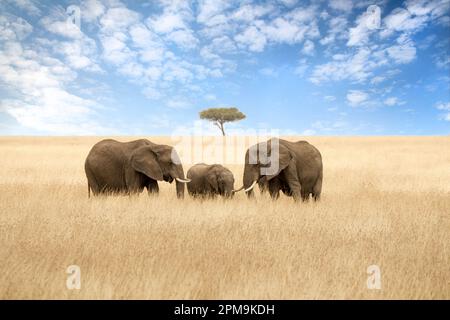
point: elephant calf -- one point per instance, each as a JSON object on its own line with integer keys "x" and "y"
{"x": 210, "y": 180}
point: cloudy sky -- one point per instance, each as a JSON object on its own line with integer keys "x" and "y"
{"x": 110, "y": 67}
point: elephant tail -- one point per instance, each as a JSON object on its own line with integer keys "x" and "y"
{"x": 89, "y": 190}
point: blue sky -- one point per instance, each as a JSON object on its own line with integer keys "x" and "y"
{"x": 109, "y": 67}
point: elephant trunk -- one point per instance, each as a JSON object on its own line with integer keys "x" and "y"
{"x": 180, "y": 184}
{"x": 251, "y": 176}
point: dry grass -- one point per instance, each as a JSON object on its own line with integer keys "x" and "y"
{"x": 386, "y": 201}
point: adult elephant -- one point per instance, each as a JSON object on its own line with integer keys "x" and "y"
{"x": 295, "y": 168}
{"x": 210, "y": 180}
{"x": 129, "y": 167}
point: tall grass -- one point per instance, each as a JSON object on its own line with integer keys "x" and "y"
{"x": 385, "y": 202}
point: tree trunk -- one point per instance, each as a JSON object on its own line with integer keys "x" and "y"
{"x": 219, "y": 124}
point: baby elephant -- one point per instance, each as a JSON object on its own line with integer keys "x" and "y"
{"x": 210, "y": 180}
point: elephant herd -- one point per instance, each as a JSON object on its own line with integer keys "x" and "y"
{"x": 294, "y": 168}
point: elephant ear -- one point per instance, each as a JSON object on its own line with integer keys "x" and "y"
{"x": 284, "y": 159}
{"x": 212, "y": 180}
{"x": 144, "y": 160}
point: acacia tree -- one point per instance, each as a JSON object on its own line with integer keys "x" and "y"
{"x": 218, "y": 116}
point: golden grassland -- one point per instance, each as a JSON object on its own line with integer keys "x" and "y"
{"x": 385, "y": 202}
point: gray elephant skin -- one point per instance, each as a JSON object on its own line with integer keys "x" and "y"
{"x": 210, "y": 181}
{"x": 299, "y": 174}
{"x": 129, "y": 167}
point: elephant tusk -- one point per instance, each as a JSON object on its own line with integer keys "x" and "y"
{"x": 183, "y": 180}
{"x": 251, "y": 187}
{"x": 241, "y": 188}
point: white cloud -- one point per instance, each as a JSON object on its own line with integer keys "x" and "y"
{"x": 167, "y": 22}
{"x": 290, "y": 28}
{"x": 415, "y": 17}
{"x": 80, "y": 54}
{"x": 404, "y": 52}
{"x": 223, "y": 44}
{"x": 253, "y": 38}
{"x": 29, "y": 6}
{"x": 303, "y": 15}
{"x": 118, "y": 19}
{"x": 216, "y": 61}
{"x": 141, "y": 35}
{"x": 132, "y": 69}
{"x": 392, "y": 101}
{"x": 177, "y": 72}
{"x": 341, "y": 5}
{"x": 401, "y": 20}
{"x": 183, "y": 38}
{"x": 283, "y": 31}
{"x": 54, "y": 110}
{"x": 115, "y": 49}
{"x": 446, "y": 108}
{"x": 41, "y": 100}
{"x": 357, "y": 97}
{"x": 360, "y": 65}
{"x": 377, "y": 79}
{"x": 357, "y": 67}
{"x": 336, "y": 30}
{"x": 423, "y": 7}
{"x": 91, "y": 10}
{"x": 145, "y": 50}
{"x": 249, "y": 13}
{"x": 442, "y": 61}
{"x": 174, "y": 24}
{"x": 443, "y": 106}
{"x": 366, "y": 24}
{"x": 308, "y": 48}
{"x": 14, "y": 28}
{"x": 213, "y": 18}
{"x": 211, "y": 11}
{"x": 150, "y": 47}
{"x": 58, "y": 23}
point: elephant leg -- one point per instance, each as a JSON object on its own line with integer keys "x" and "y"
{"x": 262, "y": 186}
{"x": 305, "y": 195}
{"x": 152, "y": 187}
{"x": 274, "y": 188}
{"x": 317, "y": 189}
{"x": 290, "y": 174}
{"x": 136, "y": 190}
{"x": 135, "y": 182}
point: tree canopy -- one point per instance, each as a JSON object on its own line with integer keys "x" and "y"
{"x": 219, "y": 116}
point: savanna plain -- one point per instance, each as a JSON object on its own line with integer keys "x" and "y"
{"x": 385, "y": 202}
